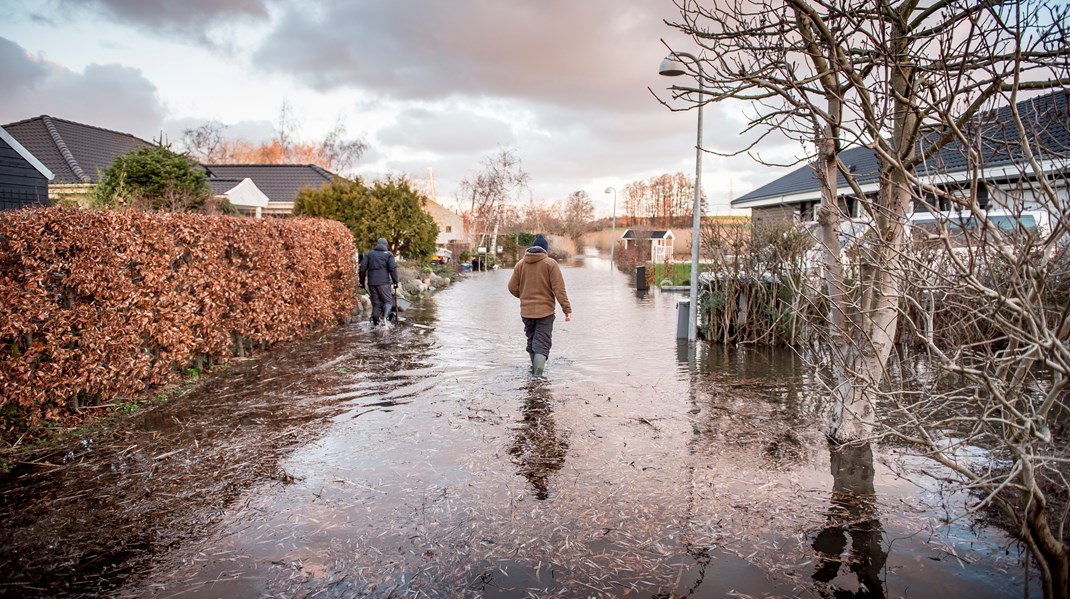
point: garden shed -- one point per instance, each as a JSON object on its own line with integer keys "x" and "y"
{"x": 660, "y": 242}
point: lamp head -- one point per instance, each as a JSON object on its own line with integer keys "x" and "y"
{"x": 608, "y": 190}
{"x": 671, "y": 67}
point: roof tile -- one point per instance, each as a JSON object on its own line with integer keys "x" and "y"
{"x": 91, "y": 149}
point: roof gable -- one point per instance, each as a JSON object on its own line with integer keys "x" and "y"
{"x": 26, "y": 155}
{"x": 74, "y": 152}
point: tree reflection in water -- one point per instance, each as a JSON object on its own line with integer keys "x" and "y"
{"x": 539, "y": 448}
{"x": 852, "y": 511}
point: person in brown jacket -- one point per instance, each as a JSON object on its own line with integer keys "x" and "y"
{"x": 537, "y": 281}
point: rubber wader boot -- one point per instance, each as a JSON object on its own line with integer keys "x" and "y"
{"x": 537, "y": 364}
{"x": 531, "y": 356}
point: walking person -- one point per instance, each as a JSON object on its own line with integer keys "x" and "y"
{"x": 377, "y": 271}
{"x": 537, "y": 281}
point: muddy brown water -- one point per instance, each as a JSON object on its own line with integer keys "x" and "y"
{"x": 423, "y": 460}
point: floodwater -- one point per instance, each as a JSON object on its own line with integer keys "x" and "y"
{"x": 434, "y": 465}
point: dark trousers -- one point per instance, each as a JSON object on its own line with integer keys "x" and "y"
{"x": 382, "y": 300}
{"x": 540, "y": 333}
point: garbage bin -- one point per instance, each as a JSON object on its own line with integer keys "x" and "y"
{"x": 683, "y": 313}
{"x": 640, "y": 278}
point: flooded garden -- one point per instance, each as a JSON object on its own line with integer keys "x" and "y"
{"x": 423, "y": 460}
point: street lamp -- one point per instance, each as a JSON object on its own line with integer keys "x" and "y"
{"x": 672, "y": 67}
{"x": 613, "y": 237}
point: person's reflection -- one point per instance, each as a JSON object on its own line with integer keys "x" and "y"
{"x": 852, "y": 511}
{"x": 539, "y": 448}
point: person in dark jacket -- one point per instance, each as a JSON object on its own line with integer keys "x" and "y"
{"x": 538, "y": 282}
{"x": 377, "y": 271}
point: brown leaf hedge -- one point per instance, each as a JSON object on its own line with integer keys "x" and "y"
{"x": 98, "y": 306}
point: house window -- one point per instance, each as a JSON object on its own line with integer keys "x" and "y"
{"x": 449, "y": 229}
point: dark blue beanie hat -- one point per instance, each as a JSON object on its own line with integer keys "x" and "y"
{"x": 540, "y": 241}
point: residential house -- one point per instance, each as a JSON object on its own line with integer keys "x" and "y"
{"x": 23, "y": 179}
{"x": 660, "y": 242}
{"x": 450, "y": 231}
{"x": 280, "y": 182}
{"x": 79, "y": 154}
{"x": 1004, "y": 176}
{"x": 76, "y": 153}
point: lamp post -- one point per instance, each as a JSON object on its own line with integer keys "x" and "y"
{"x": 613, "y": 236}
{"x": 672, "y": 67}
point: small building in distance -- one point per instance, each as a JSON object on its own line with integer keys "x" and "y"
{"x": 450, "y": 241}
{"x": 660, "y": 242}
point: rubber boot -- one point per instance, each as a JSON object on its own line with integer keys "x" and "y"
{"x": 531, "y": 356}
{"x": 537, "y": 364}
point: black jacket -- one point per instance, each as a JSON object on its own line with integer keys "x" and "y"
{"x": 378, "y": 267}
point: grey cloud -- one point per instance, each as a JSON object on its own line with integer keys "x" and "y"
{"x": 19, "y": 67}
{"x": 447, "y": 131}
{"x": 193, "y": 19}
{"x": 596, "y": 53}
{"x": 109, "y": 96}
{"x": 41, "y": 19}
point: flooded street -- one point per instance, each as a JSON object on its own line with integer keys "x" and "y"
{"x": 429, "y": 463}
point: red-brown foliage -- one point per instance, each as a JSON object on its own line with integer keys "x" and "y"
{"x": 99, "y": 306}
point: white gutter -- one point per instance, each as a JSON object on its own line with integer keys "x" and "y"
{"x": 1007, "y": 170}
{"x": 15, "y": 145}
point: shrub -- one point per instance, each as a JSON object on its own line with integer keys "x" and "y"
{"x": 153, "y": 178}
{"x": 98, "y": 305}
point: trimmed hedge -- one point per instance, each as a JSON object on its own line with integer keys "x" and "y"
{"x": 99, "y": 306}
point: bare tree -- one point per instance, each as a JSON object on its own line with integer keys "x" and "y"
{"x": 487, "y": 192}
{"x": 905, "y": 79}
{"x": 535, "y": 217}
{"x": 1011, "y": 359}
{"x": 578, "y": 214}
{"x": 888, "y": 75}
{"x": 660, "y": 200}
{"x": 338, "y": 151}
{"x": 207, "y": 143}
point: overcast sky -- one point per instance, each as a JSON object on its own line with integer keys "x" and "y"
{"x": 427, "y": 84}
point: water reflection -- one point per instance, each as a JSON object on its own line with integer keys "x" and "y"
{"x": 692, "y": 470}
{"x": 852, "y": 512}
{"x": 539, "y": 448}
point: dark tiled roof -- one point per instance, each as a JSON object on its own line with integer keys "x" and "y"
{"x": 279, "y": 182}
{"x": 861, "y": 161}
{"x": 1046, "y": 119}
{"x": 221, "y": 186}
{"x": 75, "y": 152}
{"x": 632, "y": 234}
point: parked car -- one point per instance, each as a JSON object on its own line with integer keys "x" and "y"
{"x": 442, "y": 256}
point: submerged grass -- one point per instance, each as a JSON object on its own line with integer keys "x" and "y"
{"x": 51, "y": 435}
